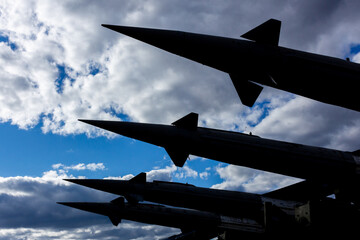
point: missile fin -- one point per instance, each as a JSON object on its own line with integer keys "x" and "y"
{"x": 189, "y": 122}
{"x": 247, "y": 91}
{"x": 268, "y": 32}
{"x": 115, "y": 220}
{"x": 178, "y": 157}
{"x": 140, "y": 178}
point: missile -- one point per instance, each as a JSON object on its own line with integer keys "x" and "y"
{"x": 329, "y": 216}
{"x": 185, "y": 219}
{"x": 259, "y": 61}
{"x": 184, "y": 137}
{"x": 229, "y": 203}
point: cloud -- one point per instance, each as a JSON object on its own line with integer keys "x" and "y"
{"x": 80, "y": 166}
{"x": 58, "y": 65}
{"x": 204, "y": 175}
{"x": 305, "y": 121}
{"x": 64, "y": 70}
{"x": 169, "y": 173}
{"x": 127, "y": 231}
{"x": 23, "y": 198}
{"x": 250, "y": 180}
{"x": 29, "y": 210}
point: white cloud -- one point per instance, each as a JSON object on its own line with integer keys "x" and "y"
{"x": 80, "y": 166}
{"x": 305, "y": 121}
{"x": 133, "y": 78}
{"x": 204, "y": 175}
{"x": 250, "y": 180}
{"x": 168, "y": 173}
{"x": 109, "y": 232}
{"x": 356, "y": 58}
{"x": 126, "y": 177}
{"x": 186, "y": 172}
{"x": 162, "y": 174}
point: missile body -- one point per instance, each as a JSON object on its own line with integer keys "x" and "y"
{"x": 180, "y": 218}
{"x": 326, "y": 79}
{"x": 184, "y": 138}
{"x": 327, "y": 218}
{"x": 229, "y": 203}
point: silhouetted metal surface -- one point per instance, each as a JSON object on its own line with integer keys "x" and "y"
{"x": 302, "y": 209}
{"x": 224, "y": 202}
{"x": 307, "y": 162}
{"x": 318, "y": 216}
{"x": 208, "y": 222}
{"x": 326, "y": 79}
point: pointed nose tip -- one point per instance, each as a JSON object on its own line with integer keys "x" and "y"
{"x": 85, "y": 206}
{"x": 73, "y": 180}
{"x": 85, "y": 120}
{"x": 122, "y": 29}
{"x": 96, "y": 123}
{"x": 109, "y": 26}
{"x": 92, "y": 183}
{"x": 68, "y": 204}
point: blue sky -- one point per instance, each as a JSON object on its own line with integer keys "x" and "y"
{"x": 31, "y": 152}
{"x": 60, "y": 66}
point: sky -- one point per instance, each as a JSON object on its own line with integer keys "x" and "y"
{"x": 57, "y": 65}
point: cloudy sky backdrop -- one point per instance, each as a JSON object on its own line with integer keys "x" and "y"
{"x": 57, "y": 64}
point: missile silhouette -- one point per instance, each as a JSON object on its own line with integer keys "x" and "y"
{"x": 275, "y": 216}
{"x": 208, "y": 224}
{"x": 261, "y": 61}
{"x": 184, "y": 137}
{"x": 229, "y": 203}
{"x": 205, "y": 222}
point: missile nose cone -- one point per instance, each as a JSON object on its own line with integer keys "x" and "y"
{"x": 135, "y": 32}
{"x": 85, "y": 182}
{"x": 94, "y": 207}
{"x": 107, "y": 125}
{"x": 63, "y": 203}
{"x": 109, "y": 26}
{"x": 71, "y": 180}
{"x": 151, "y": 133}
{"x": 93, "y": 183}
{"x": 122, "y": 29}
{"x": 167, "y": 40}
{"x": 77, "y": 205}
{"x": 91, "y": 122}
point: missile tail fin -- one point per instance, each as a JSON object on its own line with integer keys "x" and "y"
{"x": 268, "y": 32}
{"x": 140, "y": 178}
{"x": 115, "y": 220}
{"x": 178, "y": 157}
{"x": 247, "y": 91}
{"x": 189, "y": 122}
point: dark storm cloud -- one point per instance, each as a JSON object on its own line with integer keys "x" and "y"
{"x": 26, "y": 202}
{"x": 29, "y": 205}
